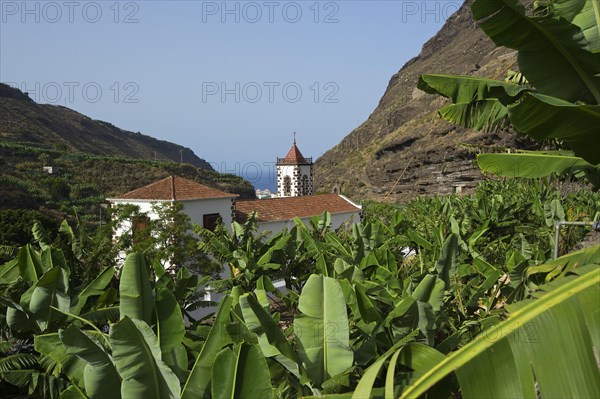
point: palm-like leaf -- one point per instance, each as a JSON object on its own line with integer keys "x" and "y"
{"x": 585, "y": 14}
{"x": 17, "y": 362}
{"x": 136, "y": 297}
{"x": 322, "y": 329}
{"x": 136, "y": 354}
{"x": 538, "y": 335}
{"x": 548, "y": 47}
{"x": 537, "y": 164}
{"x": 543, "y": 117}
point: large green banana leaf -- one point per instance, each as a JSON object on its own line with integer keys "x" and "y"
{"x": 241, "y": 372}
{"x": 560, "y": 327}
{"x": 554, "y": 54}
{"x": 485, "y": 103}
{"x": 50, "y": 290}
{"x": 322, "y": 329}
{"x": 170, "y": 330}
{"x": 9, "y": 272}
{"x": 585, "y": 14}
{"x": 94, "y": 288}
{"x": 533, "y": 164}
{"x": 271, "y": 339}
{"x": 543, "y": 117}
{"x": 420, "y": 358}
{"x": 72, "y": 392}
{"x": 50, "y": 345}
{"x": 478, "y": 103}
{"x": 136, "y": 296}
{"x": 101, "y": 379}
{"x": 464, "y": 89}
{"x": 27, "y": 265}
{"x": 198, "y": 383}
{"x": 136, "y": 354}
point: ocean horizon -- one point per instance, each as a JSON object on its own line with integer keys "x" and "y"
{"x": 262, "y": 181}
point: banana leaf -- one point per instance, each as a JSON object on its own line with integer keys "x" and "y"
{"x": 136, "y": 295}
{"x": 100, "y": 376}
{"x": 94, "y": 288}
{"x": 170, "y": 330}
{"x": 322, "y": 329}
{"x": 549, "y": 48}
{"x": 198, "y": 384}
{"x": 137, "y": 356}
{"x": 51, "y": 346}
{"x": 50, "y": 290}
{"x": 271, "y": 339}
{"x": 72, "y": 392}
{"x": 557, "y": 328}
{"x": 533, "y": 164}
{"x": 542, "y": 117}
{"x": 241, "y": 372}
{"x": 478, "y": 103}
{"x": 585, "y": 14}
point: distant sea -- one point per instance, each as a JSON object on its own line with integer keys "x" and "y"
{"x": 266, "y": 179}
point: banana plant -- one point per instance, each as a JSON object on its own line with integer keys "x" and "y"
{"x": 558, "y": 325}
{"x": 558, "y": 56}
{"x": 34, "y": 310}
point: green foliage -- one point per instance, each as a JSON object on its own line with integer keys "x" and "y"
{"x": 559, "y": 327}
{"x": 166, "y": 238}
{"x": 16, "y": 225}
{"x": 402, "y": 291}
{"x": 557, "y": 97}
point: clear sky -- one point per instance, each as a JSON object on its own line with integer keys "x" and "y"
{"x": 231, "y": 80}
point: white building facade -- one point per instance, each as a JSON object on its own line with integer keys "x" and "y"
{"x": 294, "y": 174}
{"x": 204, "y": 205}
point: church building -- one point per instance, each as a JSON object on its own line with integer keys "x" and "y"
{"x": 294, "y": 174}
{"x": 206, "y": 205}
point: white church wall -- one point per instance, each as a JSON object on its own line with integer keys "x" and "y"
{"x": 295, "y": 173}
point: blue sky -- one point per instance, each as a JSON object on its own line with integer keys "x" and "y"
{"x": 231, "y": 80}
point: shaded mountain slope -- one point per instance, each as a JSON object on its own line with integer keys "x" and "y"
{"x": 52, "y": 126}
{"x": 404, "y": 149}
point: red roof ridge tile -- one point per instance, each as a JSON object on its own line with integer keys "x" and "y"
{"x": 286, "y": 208}
{"x": 174, "y": 188}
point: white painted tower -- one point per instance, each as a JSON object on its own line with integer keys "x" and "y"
{"x": 294, "y": 174}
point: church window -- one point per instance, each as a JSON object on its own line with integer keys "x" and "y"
{"x": 287, "y": 186}
{"x": 304, "y": 185}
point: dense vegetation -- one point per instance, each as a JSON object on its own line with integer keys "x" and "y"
{"x": 423, "y": 279}
{"x": 80, "y": 183}
{"x": 445, "y": 297}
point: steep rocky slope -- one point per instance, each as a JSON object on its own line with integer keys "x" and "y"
{"x": 404, "y": 149}
{"x": 52, "y": 126}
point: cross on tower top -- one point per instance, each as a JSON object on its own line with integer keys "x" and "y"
{"x": 294, "y": 137}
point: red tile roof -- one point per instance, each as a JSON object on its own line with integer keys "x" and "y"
{"x": 294, "y": 156}
{"x": 274, "y": 209}
{"x": 175, "y": 188}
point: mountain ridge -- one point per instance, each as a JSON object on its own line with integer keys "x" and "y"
{"x": 404, "y": 149}
{"x": 58, "y": 127}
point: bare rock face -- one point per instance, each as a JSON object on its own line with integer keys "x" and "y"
{"x": 404, "y": 148}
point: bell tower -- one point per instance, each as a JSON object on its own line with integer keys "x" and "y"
{"x": 294, "y": 174}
